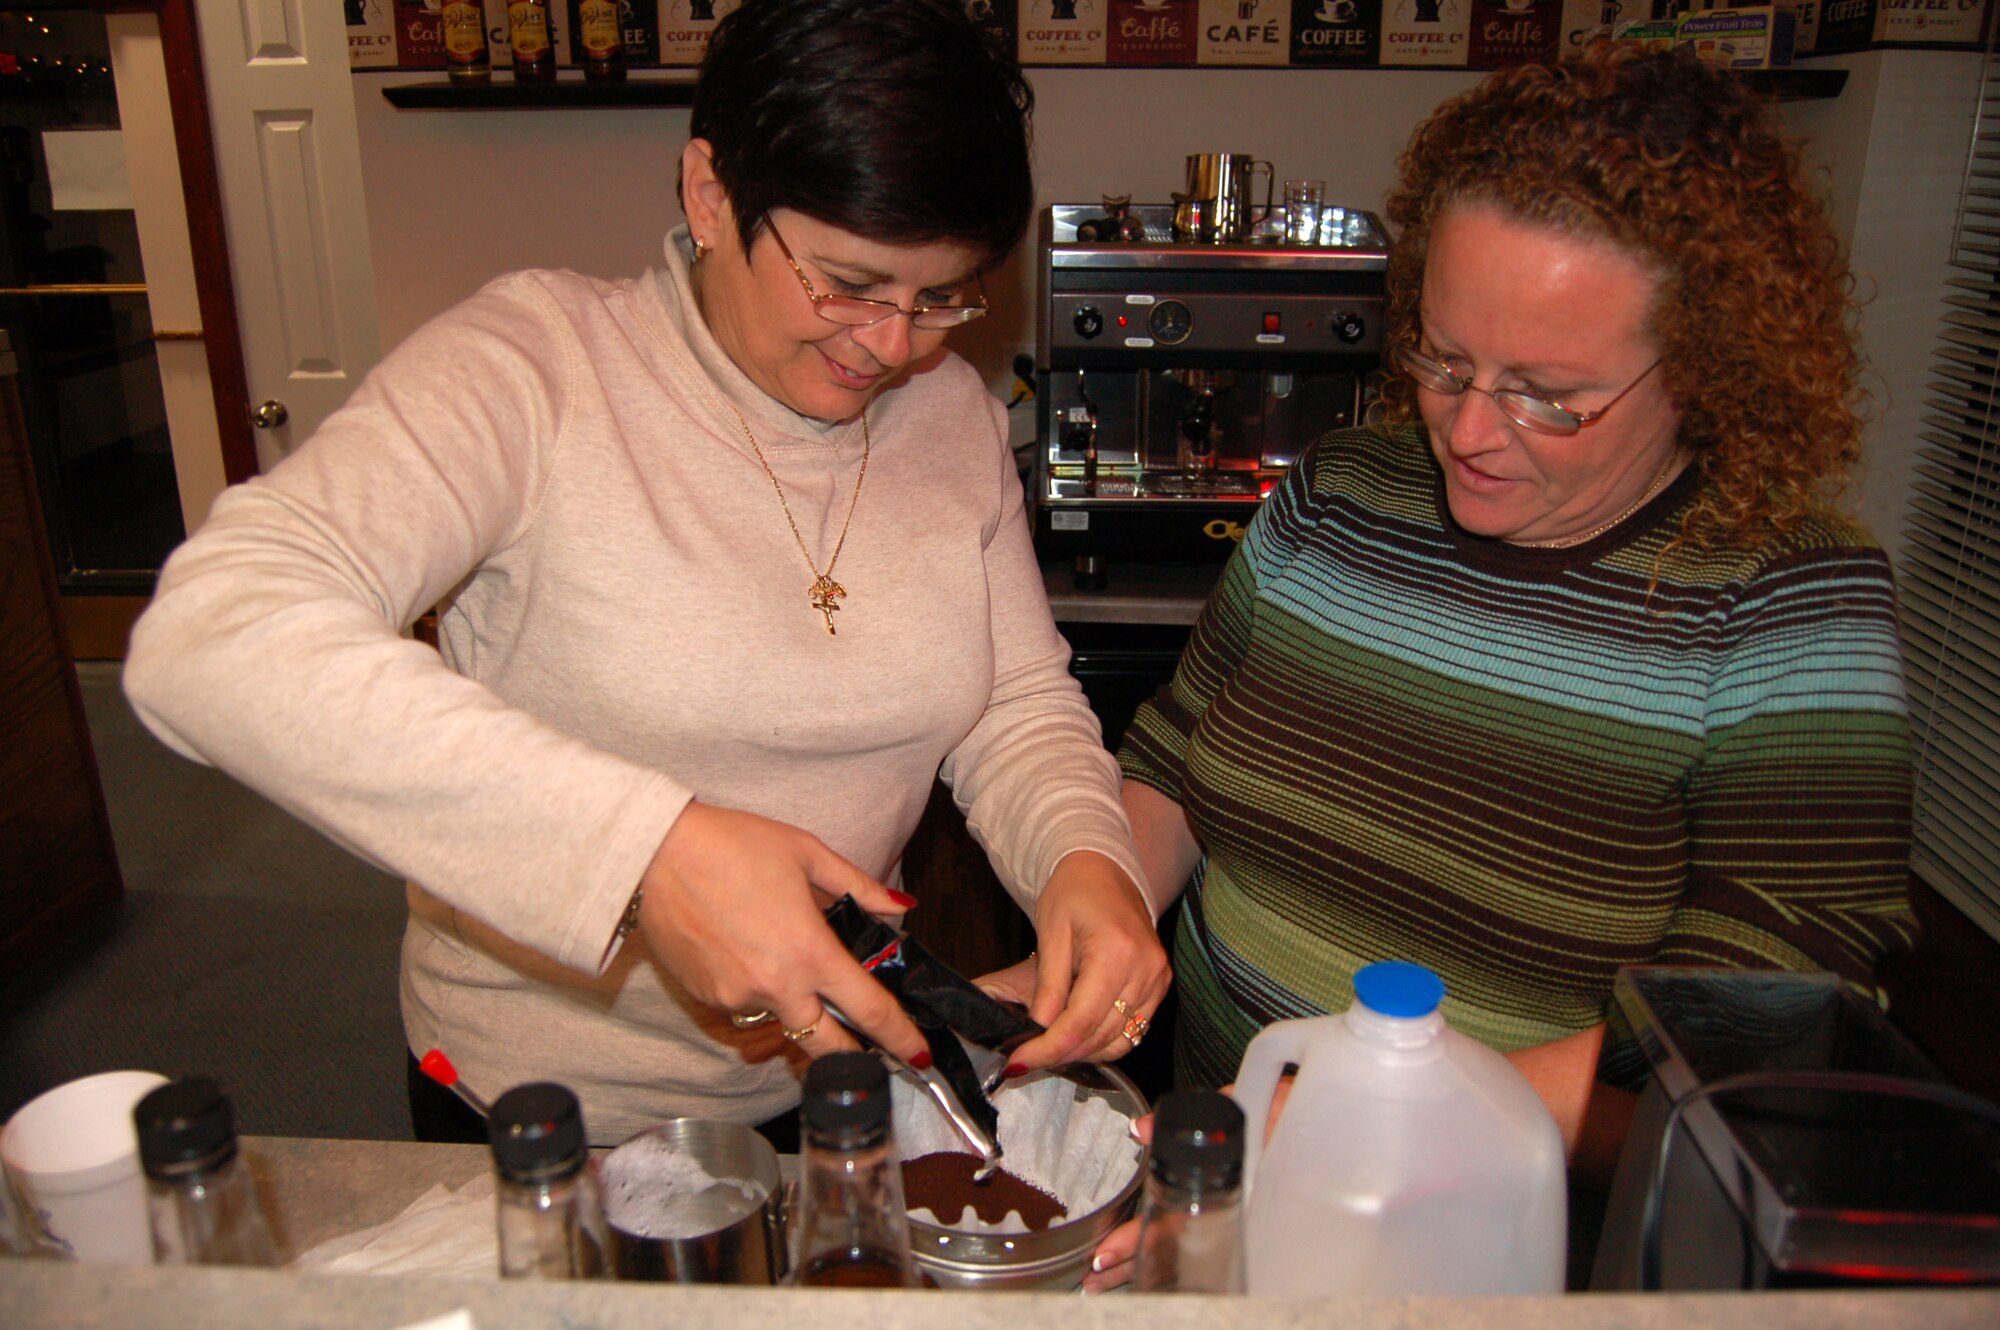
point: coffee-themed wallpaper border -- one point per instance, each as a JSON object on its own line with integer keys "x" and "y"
{"x": 1232, "y": 34}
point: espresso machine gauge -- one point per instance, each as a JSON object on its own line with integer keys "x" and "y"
{"x": 1176, "y": 382}
{"x": 1171, "y": 323}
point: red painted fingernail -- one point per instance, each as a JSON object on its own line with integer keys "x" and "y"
{"x": 922, "y": 1061}
{"x": 1015, "y": 1069}
{"x": 903, "y": 900}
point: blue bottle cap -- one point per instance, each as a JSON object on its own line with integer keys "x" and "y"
{"x": 1398, "y": 988}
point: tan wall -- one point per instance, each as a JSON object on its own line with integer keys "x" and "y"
{"x": 457, "y": 197}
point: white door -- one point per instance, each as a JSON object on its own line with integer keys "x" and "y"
{"x": 159, "y": 206}
{"x": 281, "y": 100}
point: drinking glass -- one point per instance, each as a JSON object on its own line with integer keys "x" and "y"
{"x": 1303, "y": 201}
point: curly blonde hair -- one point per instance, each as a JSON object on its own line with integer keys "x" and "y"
{"x": 1682, "y": 165}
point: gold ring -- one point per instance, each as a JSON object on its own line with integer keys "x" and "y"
{"x": 1135, "y": 1026}
{"x": 744, "y": 1020}
{"x": 799, "y": 1036}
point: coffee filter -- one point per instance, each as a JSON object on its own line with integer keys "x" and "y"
{"x": 1076, "y": 1146}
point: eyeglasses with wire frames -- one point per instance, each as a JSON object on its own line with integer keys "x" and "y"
{"x": 1541, "y": 414}
{"x": 859, "y": 312}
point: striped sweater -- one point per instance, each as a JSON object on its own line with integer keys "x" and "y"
{"x": 1521, "y": 767}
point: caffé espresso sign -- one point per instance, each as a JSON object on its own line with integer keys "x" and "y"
{"x": 1153, "y": 32}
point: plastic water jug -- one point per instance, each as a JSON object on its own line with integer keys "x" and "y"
{"x": 1408, "y": 1159}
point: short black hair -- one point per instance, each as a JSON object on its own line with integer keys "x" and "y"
{"x": 897, "y": 120}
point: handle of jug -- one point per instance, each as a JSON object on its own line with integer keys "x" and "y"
{"x": 1277, "y": 1044}
{"x": 1270, "y": 181}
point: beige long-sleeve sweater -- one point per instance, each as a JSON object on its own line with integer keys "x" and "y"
{"x": 625, "y": 626}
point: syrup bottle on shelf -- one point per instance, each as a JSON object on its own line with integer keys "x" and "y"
{"x": 601, "y": 39}
{"x": 202, "y": 1201}
{"x": 853, "y": 1231}
{"x": 531, "y": 40}
{"x": 465, "y": 51}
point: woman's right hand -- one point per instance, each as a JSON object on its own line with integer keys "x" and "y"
{"x": 1111, "y": 1264}
{"x": 732, "y": 906}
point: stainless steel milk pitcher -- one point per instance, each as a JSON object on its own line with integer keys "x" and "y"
{"x": 1216, "y": 208}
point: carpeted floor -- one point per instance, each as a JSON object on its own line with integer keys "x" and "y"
{"x": 247, "y": 947}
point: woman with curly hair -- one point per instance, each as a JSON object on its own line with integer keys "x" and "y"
{"x": 1568, "y": 664}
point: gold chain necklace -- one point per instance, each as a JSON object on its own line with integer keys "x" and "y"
{"x": 1570, "y": 542}
{"x": 824, "y": 591}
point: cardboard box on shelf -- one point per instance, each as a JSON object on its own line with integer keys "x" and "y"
{"x": 1655, "y": 34}
{"x": 1746, "y": 37}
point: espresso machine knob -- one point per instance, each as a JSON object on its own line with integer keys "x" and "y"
{"x": 1347, "y": 326}
{"x": 1088, "y": 321}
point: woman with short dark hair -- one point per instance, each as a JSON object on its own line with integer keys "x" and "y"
{"x": 731, "y": 563}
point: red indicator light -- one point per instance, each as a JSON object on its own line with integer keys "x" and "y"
{"x": 1122, "y": 320}
{"x": 1273, "y": 324}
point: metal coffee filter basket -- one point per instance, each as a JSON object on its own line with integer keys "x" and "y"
{"x": 1067, "y": 1131}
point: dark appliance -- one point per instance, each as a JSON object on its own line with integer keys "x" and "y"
{"x": 1177, "y": 381}
{"x": 1787, "y": 1136}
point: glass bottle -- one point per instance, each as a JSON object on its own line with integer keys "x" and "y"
{"x": 551, "y": 1219}
{"x": 200, "y": 1195}
{"x": 466, "y": 54}
{"x": 531, "y": 40}
{"x": 853, "y": 1230}
{"x": 1191, "y": 1213}
{"x": 601, "y": 39}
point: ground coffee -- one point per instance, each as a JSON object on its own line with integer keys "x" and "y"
{"x": 942, "y": 1183}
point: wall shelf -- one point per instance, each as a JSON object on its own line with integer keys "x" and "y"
{"x": 571, "y": 91}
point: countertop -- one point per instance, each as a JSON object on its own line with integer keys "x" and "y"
{"x": 317, "y": 1189}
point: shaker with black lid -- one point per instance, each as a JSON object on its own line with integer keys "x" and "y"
{"x": 1191, "y": 1212}
{"x": 853, "y": 1229}
{"x": 202, "y": 1201}
{"x": 550, "y": 1217}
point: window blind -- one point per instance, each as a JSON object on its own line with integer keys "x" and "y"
{"x": 1950, "y": 573}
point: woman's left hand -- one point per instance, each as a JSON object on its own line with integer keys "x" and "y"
{"x": 1099, "y": 968}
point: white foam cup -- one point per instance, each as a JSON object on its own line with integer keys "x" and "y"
{"x": 73, "y": 1154}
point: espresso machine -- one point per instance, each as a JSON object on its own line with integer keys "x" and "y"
{"x": 1177, "y": 378}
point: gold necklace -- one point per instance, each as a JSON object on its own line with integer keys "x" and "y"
{"x": 824, "y": 591}
{"x": 1569, "y": 542}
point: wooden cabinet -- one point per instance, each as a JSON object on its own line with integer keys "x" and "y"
{"x": 57, "y": 864}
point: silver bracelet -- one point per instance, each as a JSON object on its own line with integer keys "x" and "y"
{"x": 630, "y": 920}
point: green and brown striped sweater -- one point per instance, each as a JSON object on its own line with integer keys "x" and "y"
{"x": 1522, "y": 768}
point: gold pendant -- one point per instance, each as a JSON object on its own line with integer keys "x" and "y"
{"x": 823, "y": 594}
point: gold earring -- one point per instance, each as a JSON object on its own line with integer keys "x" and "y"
{"x": 700, "y": 251}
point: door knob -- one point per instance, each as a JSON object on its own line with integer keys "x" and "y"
{"x": 270, "y": 415}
